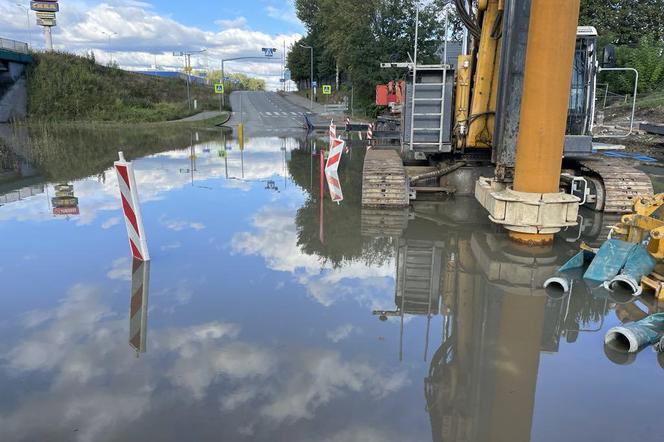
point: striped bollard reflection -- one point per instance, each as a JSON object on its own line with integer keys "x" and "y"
{"x": 138, "y": 305}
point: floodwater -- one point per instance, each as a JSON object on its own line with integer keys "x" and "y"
{"x": 266, "y": 317}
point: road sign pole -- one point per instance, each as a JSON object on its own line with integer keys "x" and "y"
{"x": 48, "y": 37}
{"x": 223, "y": 100}
{"x": 187, "y": 62}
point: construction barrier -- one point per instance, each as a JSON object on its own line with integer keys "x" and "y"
{"x": 334, "y": 185}
{"x": 132, "y": 210}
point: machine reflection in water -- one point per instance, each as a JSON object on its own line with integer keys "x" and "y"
{"x": 138, "y": 305}
{"x": 496, "y": 318}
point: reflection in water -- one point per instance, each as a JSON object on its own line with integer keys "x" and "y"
{"x": 495, "y": 317}
{"x": 278, "y": 345}
{"x": 65, "y": 202}
{"x": 138, "y": 305}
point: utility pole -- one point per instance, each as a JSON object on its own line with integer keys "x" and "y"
{"x": 187, "y": 68}
{"x": 311, "y": 76}
{"x": 27, "y": 16}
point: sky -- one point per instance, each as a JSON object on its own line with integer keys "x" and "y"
{"x": 144, "y": 32}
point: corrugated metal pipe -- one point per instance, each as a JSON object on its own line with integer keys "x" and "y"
{"x": 437, "y": 173}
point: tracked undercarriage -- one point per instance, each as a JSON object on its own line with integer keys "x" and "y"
{"x": 614, "y": 185}
{"x": 384, "y": 180}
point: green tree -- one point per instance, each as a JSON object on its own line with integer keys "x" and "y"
{"x": 624, "y": 21}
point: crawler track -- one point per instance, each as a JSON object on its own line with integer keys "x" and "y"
{"x": 622, "y": 183}
{"x": 384, "y": 180}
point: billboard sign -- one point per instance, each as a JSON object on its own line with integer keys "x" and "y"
{"x": 46, "y": 15}
{"x": 45, "y": 6}
{"x": 46, "y": 22}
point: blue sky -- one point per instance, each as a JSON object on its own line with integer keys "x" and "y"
{"x": 145, "y": 33}
{"x": 269, "y": 16}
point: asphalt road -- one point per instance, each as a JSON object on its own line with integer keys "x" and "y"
{"x": 266, "y": 113}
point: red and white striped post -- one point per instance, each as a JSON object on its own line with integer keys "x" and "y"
{"x": 332, "y": 132}
{"x": 138, "y": 306}
{"x": 370, "y": 135}
{"x": 321, "y": 214}
{"x": 132, "y": 209}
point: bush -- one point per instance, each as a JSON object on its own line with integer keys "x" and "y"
{"x": 647, "y": 58}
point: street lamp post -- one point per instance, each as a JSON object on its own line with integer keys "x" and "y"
{"x": 187, "y": 68}
{"x": 27, "y": 16}
{"x": 311, "y": 76}
{"x": 109, "y": 34}
{"x": 224, "y": 60}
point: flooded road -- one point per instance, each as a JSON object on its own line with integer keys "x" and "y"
{"x": 264, "y": 316}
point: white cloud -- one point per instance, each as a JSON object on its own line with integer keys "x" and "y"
{"x": 275, "y": 239}
{"x": 110, "y": 222}
{"x": 89, "y": 378}
{"x": 120, "y": 270}
{"x": 340, "y": 333}
{"x": 179, "y": 225}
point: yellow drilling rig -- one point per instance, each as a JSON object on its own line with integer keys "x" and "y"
{"x": 510, "y": 120}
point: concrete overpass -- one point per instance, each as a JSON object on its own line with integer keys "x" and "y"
{"x": 14, "y": 58}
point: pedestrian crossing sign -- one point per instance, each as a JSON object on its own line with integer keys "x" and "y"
{"x": 219, "y": 88}
{"x": 327, "y": 89}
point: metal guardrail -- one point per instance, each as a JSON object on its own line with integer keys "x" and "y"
{"x": 336, "y": 108}
{"x": 13, "y": 45}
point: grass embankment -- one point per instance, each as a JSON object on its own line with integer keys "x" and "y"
{"x": 648, "y": 107}
{"x": 66, "y": 87}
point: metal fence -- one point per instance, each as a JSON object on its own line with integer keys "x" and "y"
{"x": 13, "y": 45}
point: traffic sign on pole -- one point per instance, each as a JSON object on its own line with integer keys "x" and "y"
{"x": 327, "y": 89}
{"x": 269, "y": 52}
{"x": 219, "y": 88}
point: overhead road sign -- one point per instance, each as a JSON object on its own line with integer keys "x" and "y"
{"x": 327, "y": 89}
{"x": 269, "y": 52}
{"x": 46, "y": 22}
{"x": 218, "y": 88}
{"x": 45, "y": 6}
